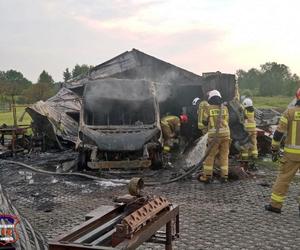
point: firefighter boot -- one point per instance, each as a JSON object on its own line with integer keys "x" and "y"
{"x": 270, "y": 208}
{"x": 205, "y": 179}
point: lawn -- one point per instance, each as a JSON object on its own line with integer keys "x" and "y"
{"x": 276, "y": 102}
{"x": 7, "y": 117}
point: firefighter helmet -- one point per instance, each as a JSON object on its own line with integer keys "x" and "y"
{"x": 183, "y": 118}
{"x": 195, "y": 101}
{"x": 247, "y": 103}
{"x": 214, "y": 93}
{"x": 298, "y": 94}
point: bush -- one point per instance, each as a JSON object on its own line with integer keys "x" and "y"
{"x": 247, "y": 93}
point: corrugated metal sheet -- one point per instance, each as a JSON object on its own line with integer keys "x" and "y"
{"x": 59, "y": 111}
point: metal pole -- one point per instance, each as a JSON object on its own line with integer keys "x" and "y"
{"x": 169, "y": 235}
{"x": 177, "y": 226}
{"x": 14, "y": 111}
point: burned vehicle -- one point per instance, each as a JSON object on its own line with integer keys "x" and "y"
{"x": 119, "y": 125}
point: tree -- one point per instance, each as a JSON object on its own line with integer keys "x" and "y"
{"x": 271, "y": 79}
{"x": 275, "y": 78}
{"x": 39, "y": 91}
{"x": 67, "y": 75}
{"x": 80, "y": 70}
{"x": 13, "y": 82}
{"x": 250, "y": 79}
{"x": 45, "y": 78}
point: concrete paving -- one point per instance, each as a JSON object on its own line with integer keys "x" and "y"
{"x": 214, "y": 216}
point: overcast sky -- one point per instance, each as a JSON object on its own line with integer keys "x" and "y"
{"x": 198, "y": 35}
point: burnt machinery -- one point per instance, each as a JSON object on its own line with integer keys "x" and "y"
{"x": 134, "y": 219}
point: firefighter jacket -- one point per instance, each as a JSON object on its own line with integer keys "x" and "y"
{"x": 172, "y": 121}
{"x": 289, "y": 124}
{"x": 211, "y": 118}
{"x": 201, "y": 109}
{"x": 250, "y": 124}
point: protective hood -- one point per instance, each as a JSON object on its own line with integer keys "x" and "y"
{"x": 119, "y": 141}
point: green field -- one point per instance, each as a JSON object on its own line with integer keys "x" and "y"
{"x": 7, "y": 117}
{"x": 276, "y": 102}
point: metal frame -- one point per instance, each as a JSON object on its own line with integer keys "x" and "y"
{"x": 99, "y": 230}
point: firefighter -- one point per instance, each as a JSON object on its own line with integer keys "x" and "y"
{"x": 289, "y": 124}
{"x": 170, "y": 125}
{"x": 202, "y": 107}
{"x": 215, "y": 118}
{"x": 250, "y": 126}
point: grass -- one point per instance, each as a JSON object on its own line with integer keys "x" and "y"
{"x": 7, "y": 117}
{"x": 276, "y": 102}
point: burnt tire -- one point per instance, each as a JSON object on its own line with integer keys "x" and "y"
{"x": 82, "y": 161}
{"x": 157, "y": 161}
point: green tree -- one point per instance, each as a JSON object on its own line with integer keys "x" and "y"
{"x": 67, "y": 75}
{"x": 45, "y": 78}
{"x": 275, "y": 78}
{"x": 80, "y": 70}
{"x": 13, "y": 82}
{"x": 39, "y": 91}
{"x": 250, "y": 79}
{"x": 271, "y": 79}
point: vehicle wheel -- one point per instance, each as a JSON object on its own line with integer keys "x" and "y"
{"x": 157, "y": 160}
{"x": 82, "y": 161}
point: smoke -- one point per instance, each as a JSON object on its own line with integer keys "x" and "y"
{"x": 162, "y": 91}
{"x": 119, "y": 102}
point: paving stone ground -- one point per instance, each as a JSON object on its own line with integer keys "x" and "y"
{"x": 214, "y": 216}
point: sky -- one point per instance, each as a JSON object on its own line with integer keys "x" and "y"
{"x": 197, "y": 35}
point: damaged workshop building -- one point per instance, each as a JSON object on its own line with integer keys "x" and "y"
{"x": 121, "y": 136}
{"x": 111, "y": 117}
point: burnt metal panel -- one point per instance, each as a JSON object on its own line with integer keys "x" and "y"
{"x": 51, "y": 117}
{"x": 114, "y": 141}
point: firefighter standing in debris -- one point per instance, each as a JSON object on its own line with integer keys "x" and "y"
{"x": 250, "y": 126}
{"x": 201, "y": 109}
{"x": 170, "y": 125}
{"x": 215, "y": 118}
{"x": 289, "y": 124}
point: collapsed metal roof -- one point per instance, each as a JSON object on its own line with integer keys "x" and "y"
{"x": 58, "y": 116}
{"x": 135, "y": 64}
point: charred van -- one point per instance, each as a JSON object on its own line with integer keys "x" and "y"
{"x": 119, "y": 125}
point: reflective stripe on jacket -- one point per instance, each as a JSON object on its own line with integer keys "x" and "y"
{"x": 211, "y": 116}
{"x": 289, "y": 124}
{"x": 201, "y": 109}
{"x": 250, "y": 124}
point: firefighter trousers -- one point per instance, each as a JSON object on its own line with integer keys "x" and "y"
{"x": 252, "y": 150}
{"x": 287, "y": 171}
{"x": 220, "y": 147}
{"x": 167, "y": 134}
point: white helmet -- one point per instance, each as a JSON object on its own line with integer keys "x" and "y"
{"x": 195, "y": 101}
{"x": 247, "y": 103}
{"x": 214, "y": 93}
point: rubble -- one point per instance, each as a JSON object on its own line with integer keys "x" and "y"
{"x": 58, "y": 117}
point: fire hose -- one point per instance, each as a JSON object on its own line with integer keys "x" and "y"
{"x": 188, "y": 172}
{"x": 191, "y": 170}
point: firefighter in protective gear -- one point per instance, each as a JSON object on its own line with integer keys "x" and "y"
{"x": 289, "y": 124}
{"x": 201, "y": 110}
{"x": 250, "y": 126}
{"x": 215, "y": 118}
{"x": 170, "y": 126}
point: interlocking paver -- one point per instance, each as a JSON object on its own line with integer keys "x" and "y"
{"x": 215, "y": 216}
